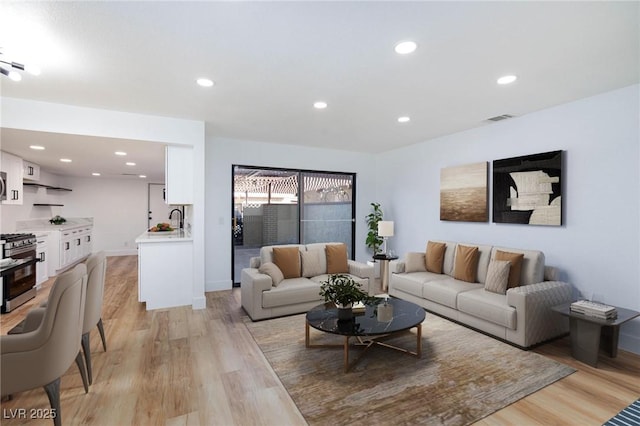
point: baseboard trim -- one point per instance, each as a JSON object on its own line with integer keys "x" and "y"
{"x": 218, "y": 285}
{"x": 125, "y": 252}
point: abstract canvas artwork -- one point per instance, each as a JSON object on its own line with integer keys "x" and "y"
{"x": 463, "y": 193}
{"x": 528, "y": 189}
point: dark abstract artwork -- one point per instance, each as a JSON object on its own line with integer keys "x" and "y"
{"x": 528, "y": 189}
{"x": 463, "y": 193}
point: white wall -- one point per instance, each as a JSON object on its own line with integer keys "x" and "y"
{"x": 221, "y": 154}
{"x": 598, "y": 247}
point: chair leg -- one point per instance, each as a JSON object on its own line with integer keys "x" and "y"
{"x": 101, "y": 330}
{"x": 53, "y": 392}
{"x": 83, "y": 373}
{"x": 86, "y": 348}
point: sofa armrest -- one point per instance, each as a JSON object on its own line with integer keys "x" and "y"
{"x": 362, "y": 270}
{"x": 254, "y": 262}
{"x": 396, "y": 266}
{"x": 550, "y": 273}
{"x": 536, "y": 322}
{"x": 252, "y": 284}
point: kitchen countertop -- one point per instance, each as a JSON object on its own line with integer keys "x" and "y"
{"x": 164, "y": 237}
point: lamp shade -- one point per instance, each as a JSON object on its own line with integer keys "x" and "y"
{"x": 385, "y": 228}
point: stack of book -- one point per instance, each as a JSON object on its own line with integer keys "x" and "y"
{"x": 594, "y": 309}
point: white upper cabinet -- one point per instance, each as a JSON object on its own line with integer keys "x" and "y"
{"x": 179, "y": 175}
{"x": 30, "y": 171}
{"x": 12, "y": 166}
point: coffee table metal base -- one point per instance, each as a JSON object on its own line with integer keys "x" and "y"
{"x": 366, "y": 344}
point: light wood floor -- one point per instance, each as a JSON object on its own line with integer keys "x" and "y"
{"x": 184, "y": 367}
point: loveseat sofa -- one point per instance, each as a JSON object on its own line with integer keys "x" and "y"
{"x": 521, "y": 315}
{"x": 267, "y": 294}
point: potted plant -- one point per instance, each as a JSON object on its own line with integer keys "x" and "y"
{"x": 343, "y": 291}
{"x": 373, "y": 240}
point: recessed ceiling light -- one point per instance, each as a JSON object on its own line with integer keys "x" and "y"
{"x": 65, "y": 160}
{"x": 204, "y": 82}
{"x": 404, "y": 119}
{"x": 95, "y": 174}
{"x": 405, "y": 47}
{"x": 142, "y": 176}
{"x": 507, "y": 79}
{"x": 129, "y": 163}
{"x": 121, "y": 153}
{"x": 320, "y": 105}
{"x": 36, "y": 147}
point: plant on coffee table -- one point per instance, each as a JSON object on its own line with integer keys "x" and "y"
{"x": 342, "y": 290}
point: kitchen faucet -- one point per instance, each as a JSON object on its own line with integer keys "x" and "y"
{"x": 179, "y": 215}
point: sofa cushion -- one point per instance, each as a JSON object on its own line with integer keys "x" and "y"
{"x": 362, "y": 282}
{"x": 516, "y": 266}
{"x": 446, "y": 291}
{"x": 412, "y": 283}
{"x": 288, "y": 260}
{"x": 414, "y": 262}
{"x": 435, "y": 256}
{"x": 488, "y": 306}
{"x": 313, "y": 263}
{"x": 337, "y": 259}
{"x": 290, "y": 292}
{"x": 532, "y": 264}
{"x": 273, "y": 271}
{"x": 498, "y": 276}
{"x": 466, "y": 263}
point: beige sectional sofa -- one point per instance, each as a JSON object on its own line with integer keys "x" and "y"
{"x": 262, "y": 298}
{"x": 520, "y": 316}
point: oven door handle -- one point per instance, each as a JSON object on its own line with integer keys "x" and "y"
{"x": 12, "y": 269}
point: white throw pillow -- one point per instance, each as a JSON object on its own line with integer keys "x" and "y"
{"x": 498, "y": 276}
{"x": 273, "y": 271}
{"x": 312, "y": 263}
{"x": 415, "y": 262}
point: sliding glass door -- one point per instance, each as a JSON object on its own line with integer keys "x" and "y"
{"x": 267, "y": 210}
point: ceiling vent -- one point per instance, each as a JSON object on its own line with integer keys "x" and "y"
{"x": 500, "y": 117}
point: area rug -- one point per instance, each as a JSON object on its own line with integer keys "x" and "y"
{"x": 627, "y": 417}
{"x": 462, "y": 376}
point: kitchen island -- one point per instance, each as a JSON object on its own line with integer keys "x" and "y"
{"x": 165, "y": 269}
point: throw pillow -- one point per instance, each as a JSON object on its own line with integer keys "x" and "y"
{"x": 516, "y": 266}
{"x": 414, "y": 262}
{"x": 273, "y": 271}
{"x": 435, "y": 256}
{"x": 288, "y": 260}
{"x": 498, "y": 276}
{"x": 337, "y": 259}
{"x": 466, "y": 263}
{"x": 311, "y": 263}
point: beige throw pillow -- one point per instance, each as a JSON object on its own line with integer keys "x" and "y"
{"x": 516, "y": 266}
{"x": 273, "y": 271}
{"x": 435, "y": 256}
{"x": 466, "y": 263}
{"x": 311, "y": 263}
{"x": 288, "y": 260}
{"x": 498, "y": 276}
{"x": 414, "y": 262}
{"x": 337, "y": 259}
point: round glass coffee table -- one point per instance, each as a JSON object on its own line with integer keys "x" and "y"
{"x": 366, "y": 328}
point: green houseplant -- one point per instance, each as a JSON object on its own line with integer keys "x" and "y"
{"x": 343, "y": 291}
{"x": 373, "y": 240}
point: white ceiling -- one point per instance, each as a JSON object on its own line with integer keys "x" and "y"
{"x": 272, "y": 60}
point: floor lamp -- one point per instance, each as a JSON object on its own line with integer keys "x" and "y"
{"x": 385, "y": 230}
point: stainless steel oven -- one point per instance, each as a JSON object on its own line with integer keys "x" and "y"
{"x": 19, "y": 274}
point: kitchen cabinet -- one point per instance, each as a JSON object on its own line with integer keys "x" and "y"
{"x": 30, "y": 171}
{"x": 42, "y": 267}
{"x": 12, "y": 166}
{"x": 68, "y": 246}
{"x": 165, "y": 269}
{"x": 179, "y": 175}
